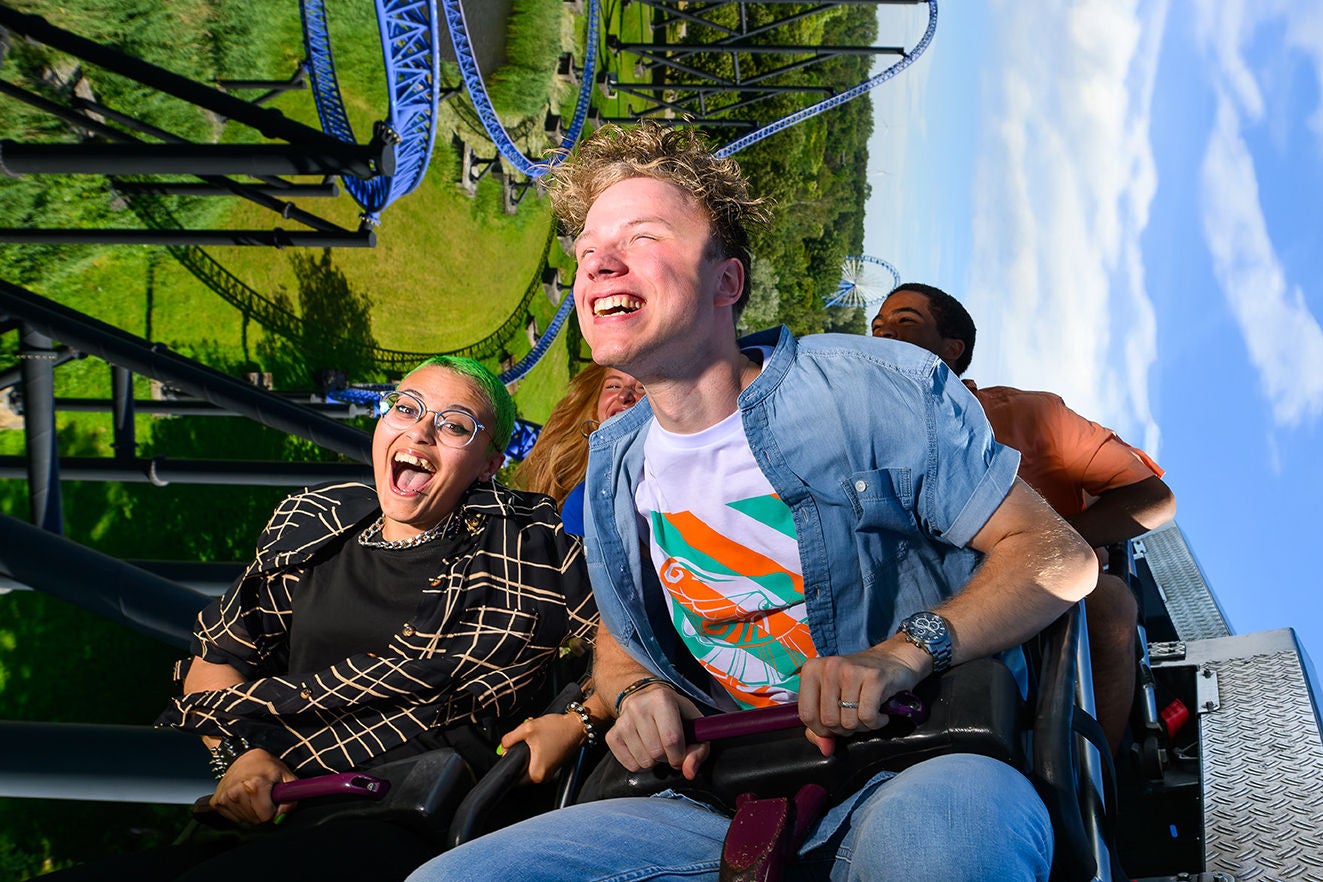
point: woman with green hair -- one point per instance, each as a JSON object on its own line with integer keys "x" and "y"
{"x": 378, "y": 622}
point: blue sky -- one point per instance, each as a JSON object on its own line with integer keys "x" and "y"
{"x": 1129, "y": 198}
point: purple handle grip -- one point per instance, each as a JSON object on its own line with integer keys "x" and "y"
{"x": 343, "y": 784}
{"x": 786, "y": 716}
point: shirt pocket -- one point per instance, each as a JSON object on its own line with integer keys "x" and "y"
{"x": 882, "y": 499}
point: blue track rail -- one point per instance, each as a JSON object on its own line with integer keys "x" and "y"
{"x": 529, "y": 361}
{"x": 468, "y": 66}
{"x": 837, "y": 100}
{"x": 410, "y": 39}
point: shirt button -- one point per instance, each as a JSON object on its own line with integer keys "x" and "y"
{"x": 305, "y": 693}
{"x": 407, "y": 630}
{"x": 861, "y": 486}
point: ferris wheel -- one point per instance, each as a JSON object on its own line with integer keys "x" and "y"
{"x": 864, "y": 281}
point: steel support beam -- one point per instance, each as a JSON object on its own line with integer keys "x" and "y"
{"x": 42, "y": 465}
{"x": 88, "y": 116}
{"x": 652, "y": 49}
{"x": 200, "y": 408}
{"x": 275, "y": 238}
{"x": 154, "y": 360}
{"x": 98, "y": 582}
{"x": 102, "y": 763}
{"x": 328, "y": 190}
{"x": 163, "y": 471}
{"x": 271, "y": 123}
{"x": 91, "y": 158}
{"x": 121, "y": 386}
{"x": 206, "y": 578}
{"x": 13, "y": 376}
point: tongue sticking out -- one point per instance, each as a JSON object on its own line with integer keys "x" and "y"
{"x": 410, "y": 479}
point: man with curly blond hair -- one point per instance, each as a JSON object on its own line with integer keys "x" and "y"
{"x": 825, "y": 520}
{"x": 664, "y": 153}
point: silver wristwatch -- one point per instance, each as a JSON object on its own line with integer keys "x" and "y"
{"x": 929, "y": 632}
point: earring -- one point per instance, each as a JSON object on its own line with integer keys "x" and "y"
{"x": 588, "y": 427}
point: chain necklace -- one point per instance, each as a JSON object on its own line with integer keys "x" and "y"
{"x": 365, "y": 538}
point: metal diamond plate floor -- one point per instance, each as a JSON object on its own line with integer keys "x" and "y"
{"x": 1262, "y": 761}
{"x": 1193, "y": 609}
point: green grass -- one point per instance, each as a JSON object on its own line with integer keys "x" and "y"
{"x": 521, "y": 88}
{"x": 447, "y": 269}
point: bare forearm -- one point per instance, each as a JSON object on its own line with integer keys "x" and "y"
{"x": 1035, "y": 567}
{"x": 1126, "y": 512}
{"x": 613, "y": 669}
{"x": 596, "y": 706}
{"x": 1003, "y": 605}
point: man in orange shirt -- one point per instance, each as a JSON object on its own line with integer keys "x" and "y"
{"x": 1106, "y": 489}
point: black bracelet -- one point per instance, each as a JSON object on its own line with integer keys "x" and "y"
{"x": 638, "y": 685}
{"x": 223, "y": 755}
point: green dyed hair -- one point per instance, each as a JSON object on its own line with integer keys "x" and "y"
{"x": 498, "y": 397}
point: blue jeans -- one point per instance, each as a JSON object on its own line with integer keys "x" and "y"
{"x": 953, "y": 818}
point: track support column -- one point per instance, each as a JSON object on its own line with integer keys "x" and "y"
{"x": 38, "y": 369}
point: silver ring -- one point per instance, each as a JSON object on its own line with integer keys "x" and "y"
{"x": 852, "y": 705}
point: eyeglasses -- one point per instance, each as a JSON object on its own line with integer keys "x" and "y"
{"x": 403, "y": 410}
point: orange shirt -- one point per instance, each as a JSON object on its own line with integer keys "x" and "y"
{"x": 1065, "y": 457}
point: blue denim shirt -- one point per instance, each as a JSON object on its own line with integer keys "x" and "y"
{"x": 886, "y": 462}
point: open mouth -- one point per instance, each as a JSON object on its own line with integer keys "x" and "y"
{"x": 617, "y": 304}
{"x": 410, "y": 473}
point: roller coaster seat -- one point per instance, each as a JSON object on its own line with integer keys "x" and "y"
{"x": 975, "y": 707}
{"x": 423, "y": 794}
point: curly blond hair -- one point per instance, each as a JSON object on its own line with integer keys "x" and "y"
{"x": 675, "y": 154}
{"x": 559, "y": 459}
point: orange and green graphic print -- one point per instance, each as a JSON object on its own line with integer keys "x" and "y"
{"x": 739, "y": 609}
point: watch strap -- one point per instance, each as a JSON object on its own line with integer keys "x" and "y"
{"x": 931, "y": 633}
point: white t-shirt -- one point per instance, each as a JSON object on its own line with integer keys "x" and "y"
{"x": 724, "y": 547}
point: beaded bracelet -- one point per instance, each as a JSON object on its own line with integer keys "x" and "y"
{"x": 636, "y": 686}
{"x": 226, "y": 752}
{"x": 589, "y": 730}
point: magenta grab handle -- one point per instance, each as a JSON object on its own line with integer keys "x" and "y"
{"x": 343, "y": 784}
{"x": 786, "y": 716}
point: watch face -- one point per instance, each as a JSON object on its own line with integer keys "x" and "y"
{"x": 926, "y": 627}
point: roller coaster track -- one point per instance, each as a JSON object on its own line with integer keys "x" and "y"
{"x": 491, "y": 123}
{"x": 410, "y": 40}
{"x": 837, "y": 100}
{"x": 529, "y": 361}
{"x": 280, "y": 321}
{"x": 454, "y": 17}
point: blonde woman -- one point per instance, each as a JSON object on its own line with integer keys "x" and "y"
{"x": 558, "y": 461}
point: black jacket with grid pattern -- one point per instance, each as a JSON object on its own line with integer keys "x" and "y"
{"x": 489, "y": 622}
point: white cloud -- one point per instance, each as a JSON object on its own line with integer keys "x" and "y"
{"x": 1283, "y": 336}
{"x": 1306, "y": 34}
{"x": 1281, "y": 333}
{"x": 1063, "y": 185}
